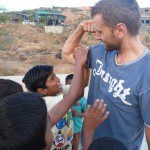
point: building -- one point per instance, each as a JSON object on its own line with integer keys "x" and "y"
{"x": 145, "y": 12}
{"x": 50, "y": 18}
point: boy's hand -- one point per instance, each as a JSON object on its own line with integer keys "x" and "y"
{"x": 95, "y": 116}
{"x": 76, "y": 114}
{"x": 80, "y": 55}
{"x": 76, "y": 103}
{"x": 73, "y": 112}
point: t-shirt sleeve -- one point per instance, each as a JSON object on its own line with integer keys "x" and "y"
{"x": 144, "y": 106}
{"x": 144, "y": 97}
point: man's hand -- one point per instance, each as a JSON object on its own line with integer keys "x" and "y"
{"x": 87, "y": 26}
{"x": 80, "y": 55}
{"x": 95, "y": 116}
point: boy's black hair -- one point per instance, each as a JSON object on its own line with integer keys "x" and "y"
{"x": 23, "y": 122}
{"x": 107, "y": 143}
{"x": 68, "y": 77}
{"x": 9, "y": 87}
{"x": 36, "y": 77}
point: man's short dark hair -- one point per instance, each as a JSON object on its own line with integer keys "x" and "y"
{"x": 23, "y": 122}
{"x": 107, "y": 143}
{"x": 9, "y": 87}
{"x": 36, "y": 77}
{"x": 68, "y": 77}
{"x": 119, "y": 11}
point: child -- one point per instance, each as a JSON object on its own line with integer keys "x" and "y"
{"x": 26, "y": 125}
{"x": 42, "y": 79}
{"x": 78, "y": 113}
{"x": 24, "y": 122}
{"x": 9, "y": 87}
{"x": 107, "y": 143}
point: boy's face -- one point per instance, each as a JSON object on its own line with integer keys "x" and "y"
{"x": 53, "y": 85}
{"x": 68, "y": 82}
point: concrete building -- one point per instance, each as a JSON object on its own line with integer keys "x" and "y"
{"x": 145, "y": 12}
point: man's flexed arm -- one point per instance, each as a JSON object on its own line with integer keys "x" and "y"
{"x": 74, "y": 40}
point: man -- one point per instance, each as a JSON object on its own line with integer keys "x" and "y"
{"x": 120, "y": 68}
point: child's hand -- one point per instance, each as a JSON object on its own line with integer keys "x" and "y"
{"x": 76, "y": 114}
{"x": 73, "y": 112}
{"x": 76, "y": 103}
{"x": 80, "y": 55}
{"x": 95, "y": 116}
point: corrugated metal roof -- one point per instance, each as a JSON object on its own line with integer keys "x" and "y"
{"x": 49, "y": 13}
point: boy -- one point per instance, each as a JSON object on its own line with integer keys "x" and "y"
{"x": 78, "y": 113}
{"x": 9, "y": 87}
{"x": 42, "y": 79}
{"x": 27, "y": 128}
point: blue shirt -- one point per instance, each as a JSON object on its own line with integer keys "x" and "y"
{"x": 78, "y": 121}
{"x": 126, "y": 91}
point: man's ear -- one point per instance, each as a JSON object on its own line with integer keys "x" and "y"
{"x": 120, "y": 30}
{"x": 42, "y": 91}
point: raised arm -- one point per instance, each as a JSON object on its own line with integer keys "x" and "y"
{"x": 76, "y": 90}
{"x": 74, "y": 42}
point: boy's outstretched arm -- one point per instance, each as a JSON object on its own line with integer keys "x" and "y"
{"x": 76, "y": 90}
{"x": 93, "y": 117}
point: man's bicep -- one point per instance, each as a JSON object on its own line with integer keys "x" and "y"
{"x": 144, "y": 101}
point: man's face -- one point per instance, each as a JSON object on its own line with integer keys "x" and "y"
{"x": 105, "y": 34}
{"x": 53, "y": 85}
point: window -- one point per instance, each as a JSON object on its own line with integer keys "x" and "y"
{"x": 142, "y": 21}
{"x": 147, "y": 21}
{"x": 146, "y": 10}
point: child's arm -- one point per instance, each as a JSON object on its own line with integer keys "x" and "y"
{"x": 76, "y": 90}
{"x": 92, "y": 119}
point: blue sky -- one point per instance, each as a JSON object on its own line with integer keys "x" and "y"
{"x": 18, "y": 5}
